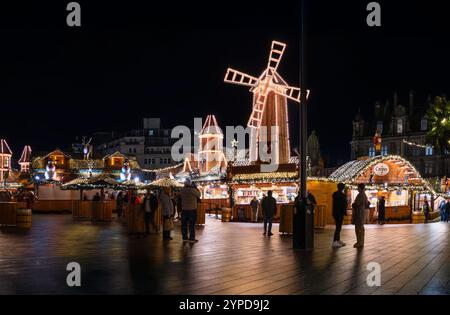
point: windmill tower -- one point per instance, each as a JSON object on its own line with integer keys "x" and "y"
{"x": 270, "y": 94}
{"x": 25, "y": 160}
{"x": 5, "y": 161}
{"x": 210, "y": 154}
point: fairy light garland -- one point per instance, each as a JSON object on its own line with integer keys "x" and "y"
{"x": 349, "y": 172}
{"x": 417, "y": 145}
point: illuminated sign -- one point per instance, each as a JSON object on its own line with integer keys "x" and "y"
{"x": 381, "y": 169}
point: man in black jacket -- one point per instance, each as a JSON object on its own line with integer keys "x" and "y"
{"x": 339, "y": 210}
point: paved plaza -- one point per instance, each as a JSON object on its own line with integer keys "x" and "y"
{"x": 229, "y": 259}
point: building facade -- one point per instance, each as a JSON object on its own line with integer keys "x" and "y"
{"x": 151, "y": 145}
{"x": 403, "y": 130}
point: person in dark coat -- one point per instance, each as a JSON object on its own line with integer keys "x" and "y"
{"x": 339, "y": 211}
{"x": 382, "y": 210}
{"x": 447, "y": 210}
{"x": 119, "y": 205}
{"x": 269, "y": 209}
{"x": 150, "y": 205}
{"x": 426, "y": 210}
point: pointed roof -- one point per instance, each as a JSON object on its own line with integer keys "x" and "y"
{"x": 4, "y": 147}
{"x": 211, "y": 127}
{"x": 26, "y": 155}
{"x": 116, "y": 154}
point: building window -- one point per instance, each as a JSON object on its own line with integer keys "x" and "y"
{"x": 160, "y": 161}
{"x": 429, "y": 169}
{"x": 134, "y": 150}
{"x": 399, "y": 125}
{"x": 380, "y": 127}
{"x": 371, "y": 151}
{"x": 130, "y": 151}
{"x": 424, "y": 124}
{"x": 6, "y": 163}
{"x": 151, "y": 132}
{"x": 384, "y": 150}
{"x": 429, "y": 151}
{"x": 153, "y": 161}
{"x": 145, "y": 161}
{"x": 165, "y": 161}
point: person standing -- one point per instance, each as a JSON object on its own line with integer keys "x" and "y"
{"x": 426, "y": 210}
{"x": 150, "y": 205}
{"x": 269, "y": 209}
{"x": 189, "y": 202}
{"x": 339, "y": 210}
{"x": 442, "y": 210}
{"x": 167, "y": 213}
{"x": 359, "y": 207}
{"x": 119, "y": 205}
{"x": 254, "y": 204}
{"x": 447, "y": 210}
{"x": 382, "y": 210}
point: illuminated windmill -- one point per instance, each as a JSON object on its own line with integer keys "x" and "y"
{"x": 270, "y": 94}
{"x": 25, "y": 160}
{"x": 210, "y": 154}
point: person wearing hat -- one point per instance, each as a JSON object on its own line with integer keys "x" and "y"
{"x": 359, "y": 207}
{"x": 339, "y": 210}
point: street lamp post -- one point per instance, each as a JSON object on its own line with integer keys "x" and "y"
{"x": 303, "y": 225}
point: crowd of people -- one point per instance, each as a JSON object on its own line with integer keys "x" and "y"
{"x": 180, "y": 206}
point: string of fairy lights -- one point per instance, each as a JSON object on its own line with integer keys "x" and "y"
{"x": 422, "y": 146}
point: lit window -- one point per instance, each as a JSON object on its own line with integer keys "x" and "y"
{"x": 429, "y": 151}
{"x": 380, "y": 127}
{"x": 424, "y": 124}
{"x": 151, "y": 132}
{"x": 384, "y": 150}
{"x": 372, "y": 151}
{"x": 399, "y": 125}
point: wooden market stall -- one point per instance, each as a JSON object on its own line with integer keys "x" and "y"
{"x": 214, "y": 198}
{"x": 248, "y": 182}
{"x": 391, "y": 177}
{"x": 95, "y": 210}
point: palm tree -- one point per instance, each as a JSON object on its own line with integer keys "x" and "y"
{"x": 438, "y": 116}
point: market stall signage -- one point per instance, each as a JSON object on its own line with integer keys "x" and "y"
{"x": 381, "y": 169}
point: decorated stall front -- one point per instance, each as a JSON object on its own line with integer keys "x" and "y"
{"x": 391, "y": 177}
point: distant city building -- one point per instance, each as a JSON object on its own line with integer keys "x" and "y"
{"x": 151, "y": 145}
{"x": 403, "y": 132}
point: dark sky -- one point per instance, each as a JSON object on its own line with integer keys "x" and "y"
{"x": 135, "y": 59}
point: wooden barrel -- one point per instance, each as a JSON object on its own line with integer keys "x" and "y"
{"x": 24, "y": 218}
{"x": 226, "y": 214}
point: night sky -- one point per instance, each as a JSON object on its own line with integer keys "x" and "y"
{"x": 129, "y": 60}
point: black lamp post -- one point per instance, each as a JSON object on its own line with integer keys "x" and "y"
{"x": 303, "y": 225}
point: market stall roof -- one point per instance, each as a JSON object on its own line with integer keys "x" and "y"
{"x": 352, "y": 171}
{"x": 93, "y": 182}
{"x": 166, "y": 182}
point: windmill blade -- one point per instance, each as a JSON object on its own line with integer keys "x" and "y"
{"x": 258, "y": 110}
{"x": 276, "y": 53}
{"x": 240, "y": 78}
{"x": 290, "y": 92}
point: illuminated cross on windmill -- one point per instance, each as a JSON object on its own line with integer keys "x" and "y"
{"x": 270, "y": 94}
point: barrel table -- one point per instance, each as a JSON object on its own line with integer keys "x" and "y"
{"x": 226, "y": 214}
{"x": 24, "y": 218}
